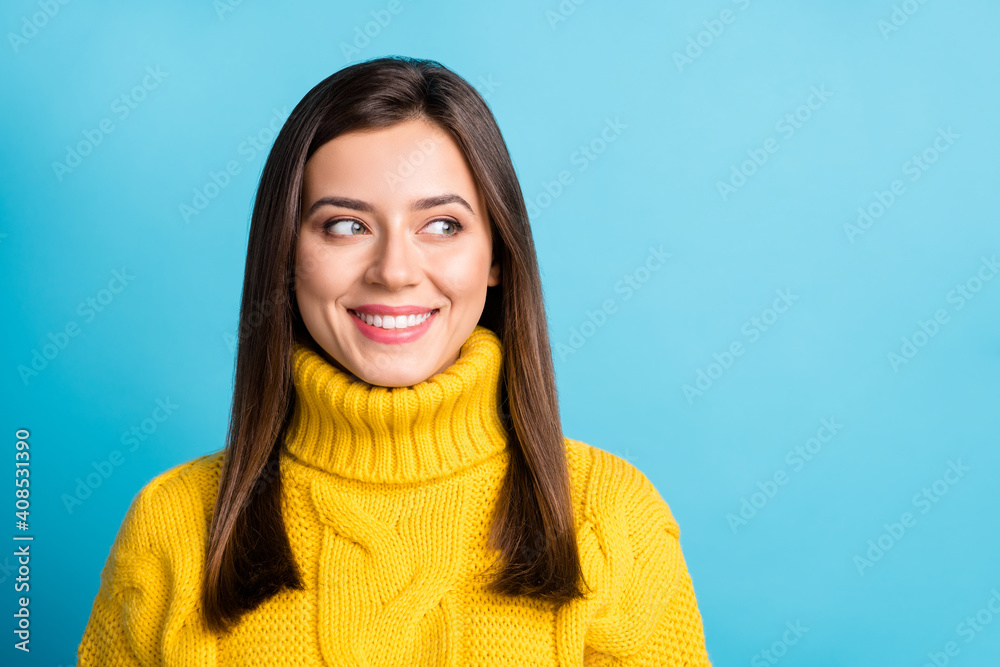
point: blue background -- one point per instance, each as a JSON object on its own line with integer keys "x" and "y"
{"x": 554, "y": 82}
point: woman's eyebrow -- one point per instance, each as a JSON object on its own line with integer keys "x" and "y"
{"x": 417, "y": 204}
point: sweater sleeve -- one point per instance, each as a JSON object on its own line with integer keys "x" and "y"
{"x": 653, "y": 618}
{"x": 131, "y": 605}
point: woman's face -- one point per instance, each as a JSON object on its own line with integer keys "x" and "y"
{"x": 392, "y": 223}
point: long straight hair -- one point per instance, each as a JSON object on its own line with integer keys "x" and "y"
{"x": 249, "y": 555}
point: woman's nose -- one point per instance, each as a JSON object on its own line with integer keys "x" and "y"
{"x": 394, "y": 263}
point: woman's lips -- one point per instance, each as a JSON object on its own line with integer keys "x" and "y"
{"x": 393, "y": 336}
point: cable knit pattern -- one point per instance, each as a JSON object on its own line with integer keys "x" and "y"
{"x": 388, "y": 495}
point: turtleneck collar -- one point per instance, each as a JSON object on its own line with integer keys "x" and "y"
{"x": 444, "y": 424}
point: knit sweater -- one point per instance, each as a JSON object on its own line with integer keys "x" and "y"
{"x": 387, "y": 496}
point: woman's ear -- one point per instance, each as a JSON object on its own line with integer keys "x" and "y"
{"x": 494, "y": 278}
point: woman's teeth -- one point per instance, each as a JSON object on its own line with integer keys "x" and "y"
{"x": 390, "y": 322}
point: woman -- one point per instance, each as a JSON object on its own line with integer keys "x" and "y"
{"x": 395, "y": 488}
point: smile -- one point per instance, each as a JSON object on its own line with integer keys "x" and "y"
{"x": 393, "y": 323}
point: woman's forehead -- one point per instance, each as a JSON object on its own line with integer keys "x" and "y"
{"x": 398, "y": 165}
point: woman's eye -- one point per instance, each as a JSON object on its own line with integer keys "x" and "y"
{"x": 347, "y": 227}
{"x": 450, "y": 224}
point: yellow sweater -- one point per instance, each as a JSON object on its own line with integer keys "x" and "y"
{"x": 387, "y": 498}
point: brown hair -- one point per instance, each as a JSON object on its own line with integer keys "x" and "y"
{"x": 249, "y": 555}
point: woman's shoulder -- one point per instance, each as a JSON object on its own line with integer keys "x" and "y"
{"x": 607, "y": 487}
{"x": 199, "y": 471}
{"x": 197, "y": 478}
{"x": 645, "y": 607}
{"x": 170, "y": 509}
{"x": 153, "y": 566}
